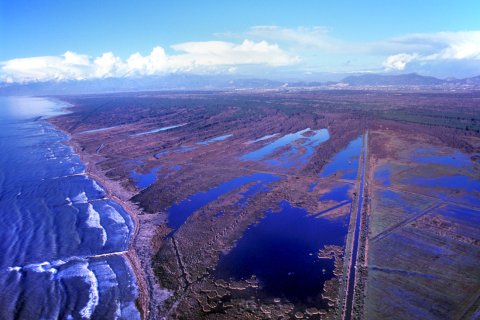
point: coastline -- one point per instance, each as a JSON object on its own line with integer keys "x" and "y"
{"x": 116, "y": 192}
{"x": 131, "y": 256}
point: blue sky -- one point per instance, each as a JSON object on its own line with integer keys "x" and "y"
{"x": 251, "y": 37}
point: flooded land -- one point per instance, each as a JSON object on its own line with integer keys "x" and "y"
{"x": 292, "y": 204}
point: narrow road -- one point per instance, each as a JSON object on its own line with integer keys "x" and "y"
{"x": 353, "y": 260}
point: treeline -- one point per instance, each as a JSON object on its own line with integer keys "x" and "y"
{"x": 460, "y": 121}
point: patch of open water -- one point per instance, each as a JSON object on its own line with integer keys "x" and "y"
{"x": 282, "y": 252}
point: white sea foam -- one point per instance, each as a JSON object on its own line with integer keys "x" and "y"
{"x": 51, "y": 267}
{"x": 80, "y": 270}
{"x": 17, "y": 269}
{"x": 69, "y": 201}
{"x": 97, "y": 186}
{"x": 80, "y": 198}
{"x": 118, "y": 312}
{"x": 93, "y": 296}
{"x": 93, "y": 221}
{"x": 41, "y": 267}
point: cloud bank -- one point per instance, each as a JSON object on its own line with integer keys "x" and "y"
{"x": 207, "y": 56}
{"x": 269, "y": 48}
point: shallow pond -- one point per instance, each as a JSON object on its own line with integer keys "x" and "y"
{"x": 432, "y": 155}
{"x": 145, "y": 180}
{"x": 219, "y": 138}
{"x": 344, "y": 165}
{"x": 300, "y": 146}
{"x": 158, "y": 130}
{"x": 98, "y": 130}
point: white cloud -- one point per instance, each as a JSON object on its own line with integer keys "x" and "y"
{"x": 70, "y": 65}
{"x": 398, "y": 61}
{"x": 106, "y": 65}
{"x": 442, "y": 46}
{"x": 317, "y": 37}
{"x": 268, "y": 48}
{"x": 317, "y": 46}
{"x": 188, "y": 57}
{"x": 213, "y": 53}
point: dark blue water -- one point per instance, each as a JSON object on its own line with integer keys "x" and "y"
{"x": 144, "y": 180}
{"x": 344, "y": 165}
{"x": 54, "y": 225}
{"x": 432, "y": 155}
{"x": 179, "y": 213}
{"x": 282, "y": 252}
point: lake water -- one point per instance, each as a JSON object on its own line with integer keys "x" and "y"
{"x": 55, "y": 226}
{"x": 282, "y": 252}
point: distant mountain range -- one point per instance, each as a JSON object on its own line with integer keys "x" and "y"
{"x": 410, "y": 79}
{"x": 218, "y": 82}
{"x": 168, "y": 82}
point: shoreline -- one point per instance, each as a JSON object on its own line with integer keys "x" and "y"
{"x": 143, "y": 300}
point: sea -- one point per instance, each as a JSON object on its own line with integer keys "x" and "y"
{"x": 62, "y": 240}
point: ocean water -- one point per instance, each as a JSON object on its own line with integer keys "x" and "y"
{"x": 61, "y": 238}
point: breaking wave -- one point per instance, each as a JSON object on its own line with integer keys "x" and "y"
{"x": 93, "y": 221}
